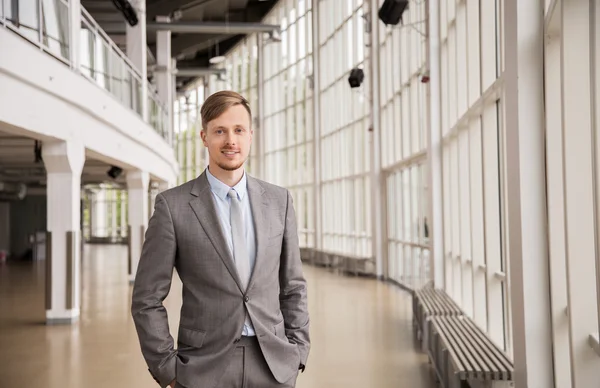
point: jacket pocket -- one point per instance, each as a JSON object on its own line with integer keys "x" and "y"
{"x": 279, "y": 329}
{"x": 191, "y": 337}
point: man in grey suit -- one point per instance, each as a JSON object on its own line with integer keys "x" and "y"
{"x": 233, "y": 240}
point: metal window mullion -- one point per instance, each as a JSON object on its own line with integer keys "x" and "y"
{"x": 595, "y": 104}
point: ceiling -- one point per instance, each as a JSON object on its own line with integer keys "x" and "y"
{"x": 18, "y": 165}
{"x": 191, "y": 50}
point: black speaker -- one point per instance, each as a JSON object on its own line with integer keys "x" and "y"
{"x": 356, "y": 77}
{"x": 391, "y": 11}
{"x": 127, "y": 10}
{"x": 114, "y": 172}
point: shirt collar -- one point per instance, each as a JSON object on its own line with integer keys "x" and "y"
{"x": 221, "y": 189}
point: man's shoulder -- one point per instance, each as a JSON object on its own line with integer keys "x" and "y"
{"x": 176, "y": 192}
{"x": 272, "y": 189}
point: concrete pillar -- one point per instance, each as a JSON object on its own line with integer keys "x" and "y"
{"x": 580, "y": 165}
{"x": 64, "y": 162}
{"x": 259, "y": 138}
{"x": 74, "y": 32}
{"x": 378, "y": 201}
{"x": 317, "y": 211}
{"x": 123, "y": 207}
{"x": 113, "y": 209}
{"x": 137, "y": 190}
{"x": 525, "y": 179}
{"x": 164, "y": 74}
{"x": 136, "y": 51}
{"x": 435, "y": 150}
{"x": 99, "y": 204}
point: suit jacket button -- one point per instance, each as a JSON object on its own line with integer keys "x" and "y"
{"x": 246, "y": 299}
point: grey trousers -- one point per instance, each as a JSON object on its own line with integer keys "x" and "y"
{"x": 248, "y": 369}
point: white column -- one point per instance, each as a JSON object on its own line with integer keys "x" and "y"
{"x": 524, "y": 173}
{"x": 74, "y": 32}
{"x": 164, "y": 76}
{"x": 136, "y": 50}
{"x": 259, "y": 137}
{"x": 435, "y": 150}
{"x": 64, "y": 162}
{"x": 137, "y": 190}
{"x": 581, "y": 244}
{"x": 316, "y": 55}
{"x": 113, "y": 207}
{"x": 123, "y": 207}
{"x": 378, "y": 239}
{"x": 99, "y": 205}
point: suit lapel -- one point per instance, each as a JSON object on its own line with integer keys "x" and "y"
{"x": 259, "y": 203}
{"x": 205, "y": 209}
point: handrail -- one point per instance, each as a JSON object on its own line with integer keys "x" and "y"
{"x": 110, "y": 42}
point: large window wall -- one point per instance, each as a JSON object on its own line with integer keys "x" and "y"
{"x": 477, "y": 215}
{"x": 190, "y": 152}
{"x": 474, "y": 242}
{"x": 345, "y": 121}
{"x": 288, "y": 107}
{"x": 403, "y": 112}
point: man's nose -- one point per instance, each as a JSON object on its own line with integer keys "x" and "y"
{"x": 230, "y": 138}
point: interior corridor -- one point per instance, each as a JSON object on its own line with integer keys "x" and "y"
{"x": 361, "y": 331}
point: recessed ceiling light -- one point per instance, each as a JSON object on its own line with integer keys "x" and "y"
{"x": 217, "y": 59}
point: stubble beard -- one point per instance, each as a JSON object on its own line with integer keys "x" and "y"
{"x": 226, "y": 167}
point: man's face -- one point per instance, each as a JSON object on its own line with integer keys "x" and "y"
{"x": 228, "y": 138}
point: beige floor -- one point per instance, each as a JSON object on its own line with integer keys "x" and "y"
{"x": 361, "y": 331}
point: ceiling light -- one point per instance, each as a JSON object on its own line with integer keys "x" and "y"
{"x": 217, "y": 59}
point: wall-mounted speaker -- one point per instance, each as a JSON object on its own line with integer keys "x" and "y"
{"x": 391, "y": 11}
{"x": 356, "y": 77}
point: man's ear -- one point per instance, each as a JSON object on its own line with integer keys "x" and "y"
{"x": 203, "y": 136}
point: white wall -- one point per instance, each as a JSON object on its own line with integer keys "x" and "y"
{"x": 42, "y": 98}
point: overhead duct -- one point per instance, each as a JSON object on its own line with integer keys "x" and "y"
{"x": 12, "y": 191}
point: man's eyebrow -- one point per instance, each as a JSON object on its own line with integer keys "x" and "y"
{"x": 236, "y": 125}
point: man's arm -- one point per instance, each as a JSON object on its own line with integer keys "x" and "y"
{"x": 292, "y": 296}
{"x": 152, "y": 285}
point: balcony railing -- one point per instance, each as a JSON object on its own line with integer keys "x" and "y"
{"x": 46, "y": 24}
{"x": 43, "y": 23}
{"x": 158, "y": 115}
{"x": 105, "y": 64}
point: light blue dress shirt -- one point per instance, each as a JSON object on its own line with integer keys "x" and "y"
{"x": 223, "y": 202}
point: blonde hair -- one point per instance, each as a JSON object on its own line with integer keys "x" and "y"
{"x": 219, "y": 102}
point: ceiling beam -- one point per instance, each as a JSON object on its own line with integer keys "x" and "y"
{"x": 198, "y": 71}
{"x": 198, "y": 27}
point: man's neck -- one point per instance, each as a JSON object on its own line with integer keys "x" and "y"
{"x": 230, "y": 178}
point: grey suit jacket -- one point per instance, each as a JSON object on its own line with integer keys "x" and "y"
{"x": 184, "y": 233}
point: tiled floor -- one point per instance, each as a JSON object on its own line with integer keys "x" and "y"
{"x": 361, "y": 331}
